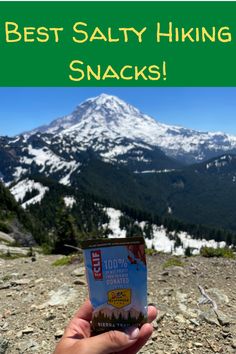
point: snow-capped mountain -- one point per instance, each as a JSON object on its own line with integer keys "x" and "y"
{"x": 117, "y": 156}
{"x": 109, "y": 129}
{"x": 109, "y": 120}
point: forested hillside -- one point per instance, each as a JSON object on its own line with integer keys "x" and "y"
{"x": 15, "y": 221}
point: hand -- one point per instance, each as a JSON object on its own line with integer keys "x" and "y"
{"x": 77, "y": 336}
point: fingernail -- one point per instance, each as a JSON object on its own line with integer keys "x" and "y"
{"x": 132, "y": 332}
{"x": 152, "y": 304}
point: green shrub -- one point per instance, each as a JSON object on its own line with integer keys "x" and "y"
{"x": 66, "y": 260}
{"x": 173, "y": 262}
{"x": 4, "y": 227}
{"x": 7, "y": 277}
{"x": 15, "y": 243}
{"x": 217, "y": 252}
{"x": 10, "y": 256}
{"x": 46, "y": 249}
{"x": 188, "y": 252}
{"x": 150, "y": 251}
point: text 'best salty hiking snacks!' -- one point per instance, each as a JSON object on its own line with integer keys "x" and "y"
{"x": 117, "y": 280}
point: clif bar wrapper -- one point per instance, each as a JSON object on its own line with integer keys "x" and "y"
{"x": 117, "y": 280}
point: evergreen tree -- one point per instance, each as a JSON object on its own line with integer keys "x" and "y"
{"x": 188, "y": 252}
{"x": 65, "y": 232}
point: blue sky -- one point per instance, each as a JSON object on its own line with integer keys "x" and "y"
{"x": 205, "y": 109}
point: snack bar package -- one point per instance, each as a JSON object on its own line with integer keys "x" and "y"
{"x": 117, "y": 280}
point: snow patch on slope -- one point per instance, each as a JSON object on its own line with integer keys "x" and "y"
{"x": 160, "y": 240}
{"x": 156, "y": 171}
{"x": 72, "y": 166}
{"x": 220, "y": 162}
{"x": 46, "y": 158}
{"x": 21, "y": 188}
{"x": 19, "y": 172}
{"x": 69, "y": 201}
{"x": 114, "y": 223}
{"x": 196, "y": 244}
{"x": 48, "y": 162}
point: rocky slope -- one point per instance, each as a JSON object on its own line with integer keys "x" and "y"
{"x": 38, "y": 299}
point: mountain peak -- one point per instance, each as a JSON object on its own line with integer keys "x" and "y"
{"x": 103, "y": 98}
{"x": 111, "y": 103}
{"x": 103, "y": 108}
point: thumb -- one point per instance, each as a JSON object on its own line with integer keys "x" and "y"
{"x": 112, "y": 341}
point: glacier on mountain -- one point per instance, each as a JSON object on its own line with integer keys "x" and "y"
{"x": 108, "y": 119}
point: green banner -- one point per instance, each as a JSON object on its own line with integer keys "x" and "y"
{"x": 118, "y": 43}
